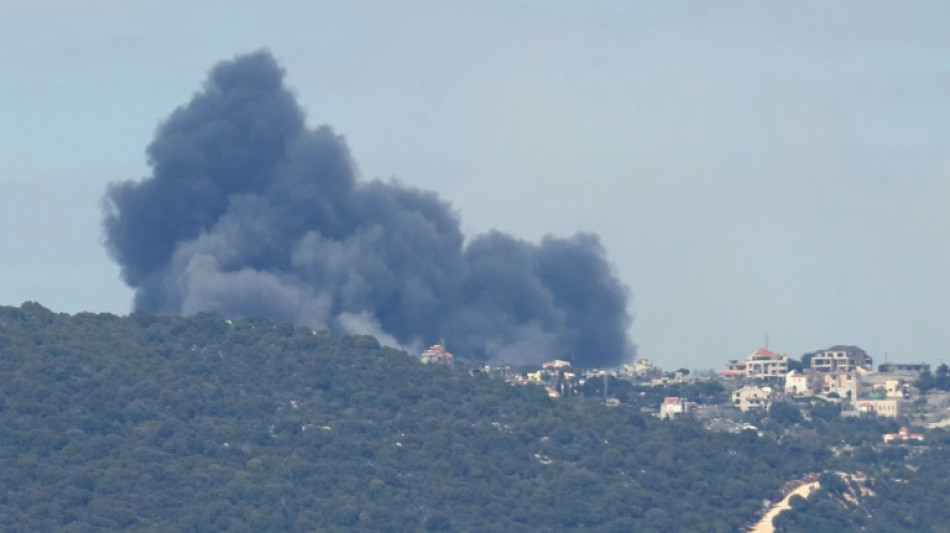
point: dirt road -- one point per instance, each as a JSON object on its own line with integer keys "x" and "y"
{"x": 765, "y": 524}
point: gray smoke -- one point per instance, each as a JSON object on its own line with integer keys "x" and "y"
{"x": 249, "y": 212}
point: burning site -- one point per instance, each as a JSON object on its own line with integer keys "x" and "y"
{"x": 249, "y": 211}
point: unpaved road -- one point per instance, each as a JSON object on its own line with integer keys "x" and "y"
{"x": 765, "y": 524}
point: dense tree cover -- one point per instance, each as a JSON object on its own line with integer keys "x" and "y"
{"x": 818, "y": 420}
{"x": 158, "y": 423}
{"x": 910, "y": 495}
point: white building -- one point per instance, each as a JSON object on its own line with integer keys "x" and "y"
{"x": 673, "y": 407}
{"x": 903, "y": 435}
{"x": 799, "y": 384}
{"x": 760, "y": 364}
{"x": 884, "y": 408}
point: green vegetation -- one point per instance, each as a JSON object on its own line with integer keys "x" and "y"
{"x": 939, "y": 380}
{"x": 909, "y": 494}
{"x": 644, "y": 395}
{"x": 157, "y": 423}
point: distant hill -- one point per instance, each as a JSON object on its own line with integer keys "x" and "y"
{"x": 161, "y": 423}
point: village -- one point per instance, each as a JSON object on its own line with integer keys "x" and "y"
{"x": 843, "y": 376}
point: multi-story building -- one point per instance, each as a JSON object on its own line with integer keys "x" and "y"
{"x": 864, "y": 406}
{"x": 764, "y": 363}
{"x": 842, "y": 384}
{"x": 840, "y": 358}
{"x": 760, "y": 364}
{"x": 749, "y": 398}
{"x": 734, "y": 369}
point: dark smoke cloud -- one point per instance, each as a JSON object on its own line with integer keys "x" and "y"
{"x": 249, "y": 212}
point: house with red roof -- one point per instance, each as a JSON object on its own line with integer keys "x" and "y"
{"x": 673, "y": 407}
{"x": 436, "y": 354}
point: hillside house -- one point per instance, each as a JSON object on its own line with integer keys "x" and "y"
{"x": 801, "y": 383}
{"x": 903, "y": 435}
{"x": 762, "y": 364}
{"x": 640, "y": 368}
{"x": 892, "y": 388}
{"x": 752, "y": 398}
{"x": 839, "y": 383}
{"x": 885, "y": 385}
{"x": 865, "y": 407}
{"x": 876, "y": 404}
{"x": 436, "y": 354}
{"x": 840, "y": 358}
{"x": 673, "y": 407}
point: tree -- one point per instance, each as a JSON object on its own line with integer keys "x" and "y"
{"x": 164, "y": 423}
{"x": 806, "y": 359}
{"x": 942, "y": 377}
{"x": 784, "y": 413}
{"x": 926, "y": 381}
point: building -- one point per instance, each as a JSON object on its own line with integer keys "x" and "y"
{"x": 840, "y": 358}
{"x": 752, "y": 398}
{"x": 898, "y": 385}
{"x": 884, "y": 408}
{"x": 734, "y": 369}
{"x": 876, "y": 405}
{"x": 840, "y": 383}
{"x": 640, "y": 368}
{"x": 764, "y": 363}
{"x": 760, "y": 364}
{"x": 436, "y": 354}
{"x": 892, "y": 388}
{"x": 673, "y": 407}
{"x": 903, "y": 435}
{"x": 801, "y": 383}
{"x": 911, "y": 370}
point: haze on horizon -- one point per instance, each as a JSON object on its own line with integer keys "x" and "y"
{"x": 752, "y": 169}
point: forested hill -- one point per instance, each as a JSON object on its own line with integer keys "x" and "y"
{"x": 159, "y": 423}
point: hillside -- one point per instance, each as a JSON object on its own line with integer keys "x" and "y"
{"x": 160, "y": 423}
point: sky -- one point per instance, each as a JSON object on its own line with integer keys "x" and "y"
{"x": 757, "y": 171}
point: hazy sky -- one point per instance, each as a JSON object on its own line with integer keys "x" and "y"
{"x": 753, "y": 168}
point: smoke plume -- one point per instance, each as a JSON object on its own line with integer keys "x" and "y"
{"x": 247, "y": 211}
